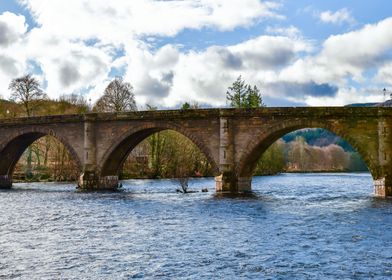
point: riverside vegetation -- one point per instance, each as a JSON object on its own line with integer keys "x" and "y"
{"x": 165, "y": 154}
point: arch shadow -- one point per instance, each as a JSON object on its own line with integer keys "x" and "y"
{"x": 257, "y": 147}
{"x": 15, "y": 144}
{"x": 115, "y": 156}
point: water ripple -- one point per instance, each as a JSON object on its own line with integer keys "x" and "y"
{"x": 293, "y": 226}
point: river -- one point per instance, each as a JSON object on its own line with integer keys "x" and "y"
{"x": 295, "y": 226}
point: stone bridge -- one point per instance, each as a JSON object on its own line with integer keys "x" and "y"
{"x": 231, "y": 139}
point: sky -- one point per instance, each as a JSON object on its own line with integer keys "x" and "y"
{"x": 298, "y": 53}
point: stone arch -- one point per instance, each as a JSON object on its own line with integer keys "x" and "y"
{"x": 258, "y": 145}
{"x": 119, "y": 150}
{"x": 12, "y": 148}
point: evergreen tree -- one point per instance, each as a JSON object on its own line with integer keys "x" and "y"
{"x": 242, "y": 95}
{"x": 253, "y": 98}
{"x": 185, "y": 106}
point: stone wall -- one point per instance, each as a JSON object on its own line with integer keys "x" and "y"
{"x": 231, "y": 139}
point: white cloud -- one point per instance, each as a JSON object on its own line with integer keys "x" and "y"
{"x": 345, "y": 56}
{"x": 12, "y": 27}
{"x": 120, "y": 21}
{"x": 339, "y": 17}
{"x": 203, "y": 76}
{"x": 290, "y": 31}
{"x": 77, "y": 55}
{"x": 12, "y": 61}
{"x": 346, "y": 95}
{"x": 67, "y": 66}
{"x": 361, "y": 48}
{"x": 384, "y": 74}
{"x": 266, "y": 52}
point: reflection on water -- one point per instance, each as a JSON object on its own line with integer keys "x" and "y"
{"x": 295, "y": 226}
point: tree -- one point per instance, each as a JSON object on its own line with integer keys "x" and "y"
{"x": 242, "y": 95}
{"x": 74, "y": 102}
{"x": 297, "y": 154}
{"x": 26, "y": 89}
{"x": 356, "y": 163}
{"x": 157, "y": 143}
{"x": 273, "y": 160}
{"x": 118, "y": 97}
{"x": 183, "y": 158}
{"x": 188, "y": 105}
{"x": 185, "y": 106}
{"x": 253, "y": 98}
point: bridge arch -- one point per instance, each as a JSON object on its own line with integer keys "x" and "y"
{"x": 258, "y": 145}
{"x": 13, "y": 146}
{"x": 115, "y": 156}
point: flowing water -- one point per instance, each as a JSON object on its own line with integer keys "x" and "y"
{"x": 294, "y": 226}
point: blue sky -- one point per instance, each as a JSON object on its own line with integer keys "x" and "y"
{"x": 299, "y": 53}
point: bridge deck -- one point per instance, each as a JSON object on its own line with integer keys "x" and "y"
{"x": 345, "y": 112}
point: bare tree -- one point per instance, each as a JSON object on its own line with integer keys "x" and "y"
{"x": 79, "y": 104}
{"x": 26, "y": 90}
{"x": 184, "y": 184}
{"x": 118, "y": 97}
{"x": 185, "y": 156}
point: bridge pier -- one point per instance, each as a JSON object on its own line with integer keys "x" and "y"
{"x": 244, "y": 184}
{"x": 233, "y": 184}
{"x": 226, "y": 182}
{"x": 90, "y": 181}
{"x": 229, "y": 181}
{"x": 383, "y": 181}
{"x": 5, "y": 182}
{"x": 383, "y": 187}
